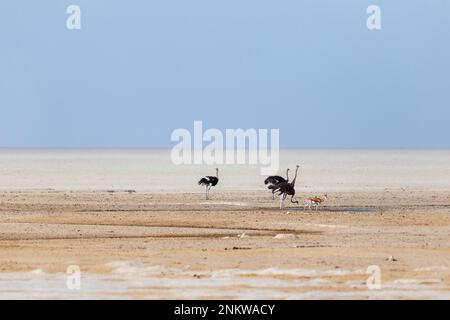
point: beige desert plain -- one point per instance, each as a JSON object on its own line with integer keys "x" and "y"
{"x": 385, "y": 208}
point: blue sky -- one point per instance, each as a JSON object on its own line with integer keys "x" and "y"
{"x": 139, "y": 69}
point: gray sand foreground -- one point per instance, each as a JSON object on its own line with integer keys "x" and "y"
{"x": 178, "y": 245}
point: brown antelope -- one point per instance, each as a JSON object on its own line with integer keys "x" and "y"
{"x": 316, "y": 201}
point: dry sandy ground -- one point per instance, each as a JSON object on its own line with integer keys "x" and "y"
{"x": 141, "y": 245}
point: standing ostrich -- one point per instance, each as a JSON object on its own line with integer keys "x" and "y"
{"x": 209, "y": 181}
{"x": 287, "y": 188}
{"x": 274, "y": 181}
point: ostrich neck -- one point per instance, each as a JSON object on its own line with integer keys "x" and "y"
{"x": 287, "y": 175}
{"x": 295, "y": 177}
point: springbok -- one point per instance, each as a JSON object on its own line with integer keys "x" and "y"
{"x": 316, "y": 201}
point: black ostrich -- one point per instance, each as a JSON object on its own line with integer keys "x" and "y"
{"x": 287, "y": 188}
{"x": 209, "y": 181}
{"x": 274, "y": 181}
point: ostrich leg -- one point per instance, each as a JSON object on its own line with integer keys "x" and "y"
{"x": 209, "y": 189}
{"x": 282, "y": 198}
